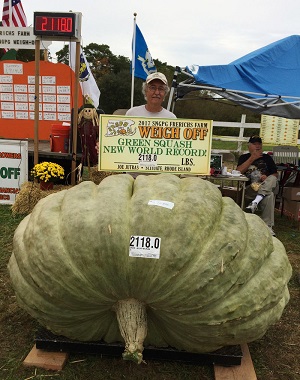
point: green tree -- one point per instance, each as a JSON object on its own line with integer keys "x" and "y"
{"x": 205, "y": 105}
{"x": 23, "y": 55}
{"x": 116, "y": 91}
{"x": 103, "y": 62}
{"x": 62, "y": 55}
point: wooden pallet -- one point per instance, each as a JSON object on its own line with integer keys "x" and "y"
{"x": 56, "y": 361}
{"x": 46, "y": 360}
{"x": 245, "y": 371}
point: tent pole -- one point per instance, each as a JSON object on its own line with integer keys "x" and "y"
{"x": 174, "y": 85}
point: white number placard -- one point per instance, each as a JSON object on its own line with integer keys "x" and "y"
{"x": 144, "y": 246}
{"x": 148, "y": 159}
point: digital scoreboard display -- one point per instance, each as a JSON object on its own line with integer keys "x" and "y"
{"x": 55, "y": 24}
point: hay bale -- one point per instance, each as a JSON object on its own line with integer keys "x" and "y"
{"x": 29, "y": 196}
{"x": 97, "y": 176}
{"x": 31, "y": 193}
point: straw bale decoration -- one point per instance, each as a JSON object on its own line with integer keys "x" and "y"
{"x": 29, "y": 196}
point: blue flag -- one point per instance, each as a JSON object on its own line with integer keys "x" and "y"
{"x": 144, "y": 64}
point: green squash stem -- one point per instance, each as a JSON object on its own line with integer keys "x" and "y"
{"x": 132, "y": 320}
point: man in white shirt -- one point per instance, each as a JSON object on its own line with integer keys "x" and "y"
{"x": 154, "y": 90}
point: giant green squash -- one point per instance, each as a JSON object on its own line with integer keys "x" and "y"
{"x": 221, "y": 278}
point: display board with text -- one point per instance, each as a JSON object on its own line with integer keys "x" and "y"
{"x": 17, "y": 98}
{"x": 135, "y": 144}
{"x": 19, "y": 38}
{"x": 13, "y": 168}
{"x": 276, "y": 130}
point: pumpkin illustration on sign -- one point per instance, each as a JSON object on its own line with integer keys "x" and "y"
{"x": 88, "y": 124}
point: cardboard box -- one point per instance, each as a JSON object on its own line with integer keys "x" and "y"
{"x": 291, "y": 193}
{"x": 291, "y": 209}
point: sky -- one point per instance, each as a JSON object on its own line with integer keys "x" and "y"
{"x": 203, "y": 32}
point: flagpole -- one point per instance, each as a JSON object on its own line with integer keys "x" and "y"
{"x": 10, "y": 13}
{"x": 133, "y": 59}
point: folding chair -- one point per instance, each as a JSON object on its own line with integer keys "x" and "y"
{"x": 286, "y": 158}
{"x": 286, "y": 154}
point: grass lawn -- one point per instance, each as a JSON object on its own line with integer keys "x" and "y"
{"x": 276, "y": 356}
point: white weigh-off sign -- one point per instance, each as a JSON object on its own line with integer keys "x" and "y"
{"x": 139, "y": 144}
{"x": 13, "y": 168}
{"x": 19, "y": 38}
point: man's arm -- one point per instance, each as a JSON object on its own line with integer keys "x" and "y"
{"x": 243, "y": 167}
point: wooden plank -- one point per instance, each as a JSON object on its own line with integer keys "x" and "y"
{"x": 245, "y": 371}
{"x": 46, "y": 360}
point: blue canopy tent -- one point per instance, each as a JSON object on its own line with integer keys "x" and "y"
{"x": 267, "y": 81}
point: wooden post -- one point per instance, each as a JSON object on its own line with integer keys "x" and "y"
{"x": 75, "y": 115}
{"x": 37, "y": 101}
{"x": 241, "y": 134}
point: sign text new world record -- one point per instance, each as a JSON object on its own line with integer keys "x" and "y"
{"x": 155, "y": 145}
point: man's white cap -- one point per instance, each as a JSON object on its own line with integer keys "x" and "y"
{"x": 157, "y": 75}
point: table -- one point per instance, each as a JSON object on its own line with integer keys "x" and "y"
{"x": 237, "y": 181}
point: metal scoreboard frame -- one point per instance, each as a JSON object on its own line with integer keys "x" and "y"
{"x": 57, "y": 26}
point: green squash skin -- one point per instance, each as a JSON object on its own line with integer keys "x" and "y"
{"x": 221, "y": 278}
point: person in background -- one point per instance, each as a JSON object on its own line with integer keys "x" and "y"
{"x": 262, "y": 173}
{"x": 154, "y": 89}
